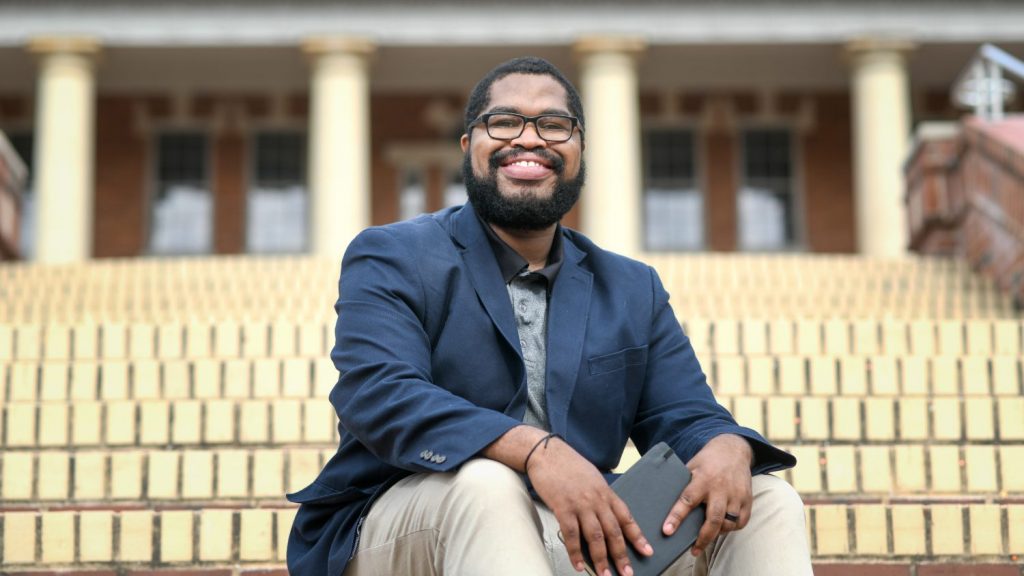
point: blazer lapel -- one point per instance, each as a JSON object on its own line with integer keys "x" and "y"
{"x": 483, "y": 272}
{"x": 568, "y": 313}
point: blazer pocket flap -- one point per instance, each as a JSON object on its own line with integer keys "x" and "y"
{"x": 618, "y": 360}
{"x": 321, "y": 494}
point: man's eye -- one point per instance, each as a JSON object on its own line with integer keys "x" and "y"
{"x": 504, "y": 122}
{"x": 554, "y": 125}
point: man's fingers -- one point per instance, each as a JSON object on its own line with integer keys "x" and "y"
{"x": 593, "y": 535}
{"x": 631, "y": 529}
{"x": 571, "y": 538}
{"x": 713, "y": 520}
{"x": 687, "y": 501}
{"x": 615, "y": 542}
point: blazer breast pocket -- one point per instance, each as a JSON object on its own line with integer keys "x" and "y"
{"x": 618, "y": 360}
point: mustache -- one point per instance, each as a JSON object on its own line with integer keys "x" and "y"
{"x": 504, "y": 156}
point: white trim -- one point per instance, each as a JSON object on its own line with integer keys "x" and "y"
{"x": 391, "y": 23}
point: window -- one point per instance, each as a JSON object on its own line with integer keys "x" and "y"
{"x": 673, "y": 204}
{"x": 182, "y": 213}
{"x": 766, "y": 206}
{"x": 412, "y": 194}
{"x": 455, "y": 190}
{"x": 23, "y": 145}
{"x": 278, "y": 202}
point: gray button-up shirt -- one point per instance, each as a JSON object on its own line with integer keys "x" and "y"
{"x": 529, "y": 293}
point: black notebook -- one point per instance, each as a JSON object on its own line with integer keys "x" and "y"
{"x": 650, "y": 488}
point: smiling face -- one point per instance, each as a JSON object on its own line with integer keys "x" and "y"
{"x": 526, "y": 182}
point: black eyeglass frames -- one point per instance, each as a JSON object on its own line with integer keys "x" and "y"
{"x": 553, "y": 128}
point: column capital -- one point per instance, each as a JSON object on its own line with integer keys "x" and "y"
{"x": 77, "y": 45}
{"x": 354, "y": 45}
{"x": 629, "y": 45}
{"x": 859, "y": 47}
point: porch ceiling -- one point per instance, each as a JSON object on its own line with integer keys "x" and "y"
{"x": 454, "y": 69}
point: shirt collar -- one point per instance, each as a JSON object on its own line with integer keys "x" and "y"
{"x": 512, "y": 264}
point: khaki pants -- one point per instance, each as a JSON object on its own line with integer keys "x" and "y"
{"x": 481, "y": 521}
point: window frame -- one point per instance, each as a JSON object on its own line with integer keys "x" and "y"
{"x": 154, "y": 183}
{"x": 799, "y": 242}
{"x": 699, "y": 178}
{"x": 251, "y": 156}
{"x": 29, "y": 194}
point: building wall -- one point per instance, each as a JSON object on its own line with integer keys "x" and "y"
{"x": 428, "y": 125}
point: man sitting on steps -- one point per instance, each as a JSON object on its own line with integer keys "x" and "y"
{"x": 485, "y": 349}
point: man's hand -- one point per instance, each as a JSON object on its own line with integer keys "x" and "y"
{"x": 578, "y": 495}
{"x": 586, "y": 507}
{"x": 721, "y": 479}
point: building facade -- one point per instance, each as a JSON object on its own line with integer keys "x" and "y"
{"x": 169, "y": 128}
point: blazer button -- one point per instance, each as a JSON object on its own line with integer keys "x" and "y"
{"x": 440, "y": 458}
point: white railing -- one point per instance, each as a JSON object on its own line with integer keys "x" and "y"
{"x": 983, "y": 85}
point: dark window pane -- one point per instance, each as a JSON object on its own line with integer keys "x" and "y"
{"x": 182, "y": 158}
{"x": 281, "y": 157}
{"x": 23, "y": 145}
{"x": 669, "y": 154}
{"x": 766, "y": 153}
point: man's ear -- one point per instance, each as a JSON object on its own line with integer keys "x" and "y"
{"x": 464, "y": 142}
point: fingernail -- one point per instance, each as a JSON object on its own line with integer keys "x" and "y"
{"x": 607, "y": 572}
{"x": 647, "y": 548}
{"x": 579, "y": 566}
{"x": 668, "y": 528}
{"x": 627, "y": 571}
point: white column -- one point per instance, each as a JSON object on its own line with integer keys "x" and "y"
{"x": 611, "y": 210}
{"x": 64, "y": 147}
{"x": 339, "y": 142}
{"x": 881, "y": 132}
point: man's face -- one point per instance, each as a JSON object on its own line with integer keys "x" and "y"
{"x": 524, "y": 183}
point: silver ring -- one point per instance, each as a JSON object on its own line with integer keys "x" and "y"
{"x": 732, "y": 517}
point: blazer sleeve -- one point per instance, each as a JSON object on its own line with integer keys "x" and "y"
{"x": 677, "y": 406}
{"x": 385, "y": 396}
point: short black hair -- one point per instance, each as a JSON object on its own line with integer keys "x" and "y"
{"x": 480, "y": 97}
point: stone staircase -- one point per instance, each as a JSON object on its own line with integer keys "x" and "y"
{"x": 154, "y": 412}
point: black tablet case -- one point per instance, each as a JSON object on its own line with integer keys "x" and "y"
{"x": 650, "y": 488}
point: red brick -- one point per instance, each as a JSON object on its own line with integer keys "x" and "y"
{"x": 968, "y": 570}
{"x": 185, "y": 572}
{"x": 863, "y": 569}
{"x": 64, "y": 573}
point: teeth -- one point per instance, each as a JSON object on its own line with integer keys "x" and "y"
{"x": 527, "y": 163}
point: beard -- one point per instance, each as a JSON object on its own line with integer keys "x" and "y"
{"x": 526, "y": 211}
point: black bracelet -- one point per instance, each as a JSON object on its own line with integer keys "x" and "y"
{"x": 543, "y": 441}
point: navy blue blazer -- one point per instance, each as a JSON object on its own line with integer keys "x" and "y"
{"x": 431, "y": 370}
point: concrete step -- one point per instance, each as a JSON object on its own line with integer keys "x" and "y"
{"x": 231, "y": 537}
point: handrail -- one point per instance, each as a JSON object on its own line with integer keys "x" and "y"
{"x": 981, "y": 85}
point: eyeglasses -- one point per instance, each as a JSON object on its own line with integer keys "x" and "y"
{"x": 553, "y": 128}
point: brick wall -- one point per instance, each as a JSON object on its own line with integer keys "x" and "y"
{"x": 965, "y": 197}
